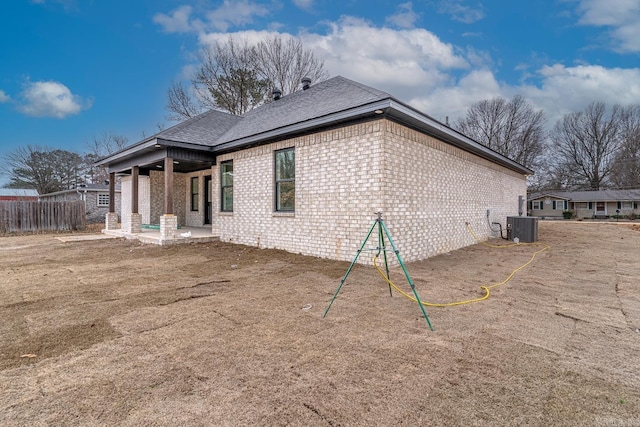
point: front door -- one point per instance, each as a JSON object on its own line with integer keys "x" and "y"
{"x": 207, "y": 199}
{"x": 601, "y": 208}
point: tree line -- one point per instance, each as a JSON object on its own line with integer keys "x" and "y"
{"x": 48, "y": 170}
{"x": 592, "y": 149}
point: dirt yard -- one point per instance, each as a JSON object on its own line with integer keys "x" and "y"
{"x": 112, "y": 332}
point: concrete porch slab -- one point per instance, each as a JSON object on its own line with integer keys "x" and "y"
{"x": 185, "y": 235}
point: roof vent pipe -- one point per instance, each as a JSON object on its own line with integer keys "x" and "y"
{"x": 277, "y": 93}
{"x": 306, "y": 83}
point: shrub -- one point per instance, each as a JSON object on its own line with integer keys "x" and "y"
{"x": 567, "y": 214}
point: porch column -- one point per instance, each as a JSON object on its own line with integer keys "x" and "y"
{"x": 168, "y": 221}
{"x": 168, "y": 185}
{"x": 111, "y": 220}
{"x": 135, "y": 219}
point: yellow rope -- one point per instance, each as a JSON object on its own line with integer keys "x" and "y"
{"x": 486, "y": 289}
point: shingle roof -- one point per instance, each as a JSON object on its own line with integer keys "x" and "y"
{"x": 204, "y": 129}
{"x": 591, "y": 196}
{"x": 327, "y": 103}
{"x": 327, "y": 97}
{"x": 83, "y": 189}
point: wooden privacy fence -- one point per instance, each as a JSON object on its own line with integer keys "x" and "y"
{"x": 34, "y": 216}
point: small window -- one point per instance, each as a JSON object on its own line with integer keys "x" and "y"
{"x": 537, "y": 204}
{"x": 195, "y": 193}
{"x": 559, "y": 205}
{"x": 285, "y": 180}
{"x": 226, "y": 186}
{"x": 103, "y": 199}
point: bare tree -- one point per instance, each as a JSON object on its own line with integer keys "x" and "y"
{"x": 586, "y": 143}
{"x": 43, "y": 169}
{"x": 283, "y": 61}
{"x": 235, "y": 76}
{"x": 179, "y": 104}
{"x": 101, "y": 146}
{"x": 626, "y": 163}
{"x": 107, "y": 143}
{"x": 513, "y": 128}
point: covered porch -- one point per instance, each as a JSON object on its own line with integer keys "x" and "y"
{"x": 168, "y": 162}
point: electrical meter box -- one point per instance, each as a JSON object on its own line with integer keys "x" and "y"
{"x": 525, "y": 228}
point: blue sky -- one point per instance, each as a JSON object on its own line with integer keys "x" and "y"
{"x": 71, "y": 70}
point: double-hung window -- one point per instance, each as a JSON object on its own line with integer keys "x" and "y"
{"x": 537, "y": 205}
{"x": 285, "y": 180}
{"x": 226, "y": 186}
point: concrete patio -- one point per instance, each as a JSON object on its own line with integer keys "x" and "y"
{"x": 152, "y": 236}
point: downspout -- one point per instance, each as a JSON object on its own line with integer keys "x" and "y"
{"x": 83, "y": 198}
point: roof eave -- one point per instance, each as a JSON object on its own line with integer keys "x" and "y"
{"x": 393, "y": 109}
{"x": 153, "y": 143}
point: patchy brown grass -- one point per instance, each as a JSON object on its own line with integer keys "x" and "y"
{"x": 216, "y": 334}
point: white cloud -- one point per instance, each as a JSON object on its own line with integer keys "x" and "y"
{"x": 405, "y": 17}
{"x": 4, "y": 97}
{"x": 176, "y": 22}
{"x": 303, "y": 4}
{"x": 235, "y": 13}
{"x": 50, "y": 99}
{"x": 566, "y": 89}
{"x": 621, "y": 16}
{"x": 460, "y": 12}
{"x": 251, "y": 37}
{"x": 400, "y": 60}
{"x": 231, "y": 13}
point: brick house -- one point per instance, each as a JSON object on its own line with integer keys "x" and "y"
{"x": 94, "y": 196}
{"x": 306, "y": 172}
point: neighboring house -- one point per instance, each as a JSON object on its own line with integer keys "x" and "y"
{"x": 9, "y": 194}
{"x": 94, "y": 196}
{"x": 585, "y": 204}
{"x": 306, "y": 173}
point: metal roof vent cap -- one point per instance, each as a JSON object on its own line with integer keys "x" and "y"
{"x": 277, "y": 93}
{"x": 306, "y": 83}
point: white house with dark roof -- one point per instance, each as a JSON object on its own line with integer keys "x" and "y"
{"x": 306, "y": 172}
{"x": 585, "y": 204}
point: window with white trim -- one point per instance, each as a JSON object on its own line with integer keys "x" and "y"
{"x": 537, "y": 204}
{"x": 103, "y": 199}
{"x": 581, "y": 205}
